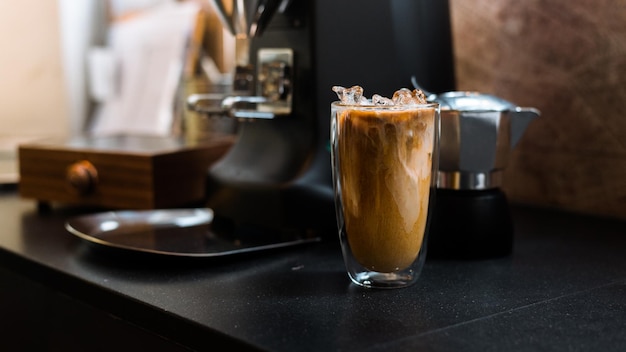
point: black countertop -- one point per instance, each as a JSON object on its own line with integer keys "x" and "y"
{"x": 562, "y": 289}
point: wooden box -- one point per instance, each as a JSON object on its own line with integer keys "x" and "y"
{"x": 124, "y": 172}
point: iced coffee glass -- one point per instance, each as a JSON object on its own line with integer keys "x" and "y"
{"x": 384, "y": 158}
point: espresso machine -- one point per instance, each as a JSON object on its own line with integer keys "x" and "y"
{"x": 277, "y": 179}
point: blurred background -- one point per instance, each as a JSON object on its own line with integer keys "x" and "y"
{"x": 565, "y": 57}
{"x": 568, "y": 59}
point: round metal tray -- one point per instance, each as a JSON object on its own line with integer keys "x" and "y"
{"x": 173, "y": 232}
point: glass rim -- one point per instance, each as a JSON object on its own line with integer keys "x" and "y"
{"x": 385, "y": 107}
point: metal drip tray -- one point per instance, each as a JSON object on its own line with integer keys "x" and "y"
{"x": 173, "y": 232}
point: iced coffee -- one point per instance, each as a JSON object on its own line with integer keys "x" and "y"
{"x": 384, "y": 154}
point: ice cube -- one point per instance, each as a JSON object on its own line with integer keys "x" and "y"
{"x": 349, "y": 96}
{"x": 404, "y": 96}
{"x": 380, "y": 100}
{"x": 419, "y": 96}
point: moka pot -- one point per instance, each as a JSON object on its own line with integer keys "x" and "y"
{"x": 472, "y": 216}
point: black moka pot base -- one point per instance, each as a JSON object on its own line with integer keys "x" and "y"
{"x": 470, "y": 224}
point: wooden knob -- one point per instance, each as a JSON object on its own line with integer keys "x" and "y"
{"x": 82, "y": 177}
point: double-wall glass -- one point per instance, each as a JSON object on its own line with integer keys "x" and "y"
{"x": 384, "y": 161}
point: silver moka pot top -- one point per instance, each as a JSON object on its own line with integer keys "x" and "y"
{"x": 477, "y": 133}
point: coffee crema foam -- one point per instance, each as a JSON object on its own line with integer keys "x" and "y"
{"x": 385, "y": 174}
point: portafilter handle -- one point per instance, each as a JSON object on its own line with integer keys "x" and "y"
{"x": 225, "y": 105}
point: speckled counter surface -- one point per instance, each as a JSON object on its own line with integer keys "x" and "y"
{"x": 563, "y": 289}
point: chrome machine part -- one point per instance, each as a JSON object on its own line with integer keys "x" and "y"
{"x": 274, "y": 86}
{"x": 247, "y": 18}
{"x": 469, "y": 180}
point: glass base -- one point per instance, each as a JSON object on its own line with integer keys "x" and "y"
{"x": 374, "y": 279}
